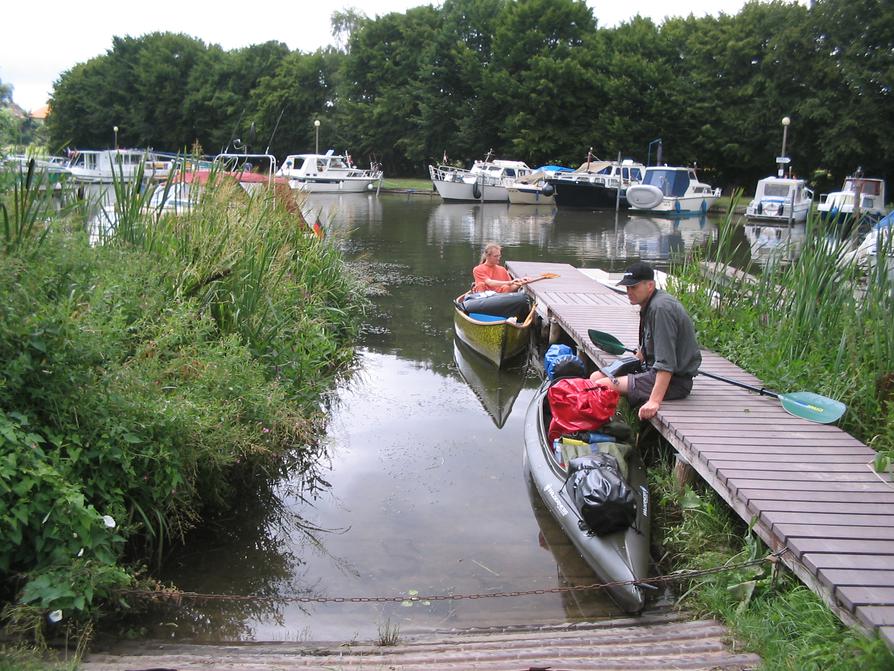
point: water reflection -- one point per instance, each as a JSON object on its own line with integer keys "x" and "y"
{"x": 496, "y": 388}
{"x": 771, "y": 245}
{"x": 426, "y": 492}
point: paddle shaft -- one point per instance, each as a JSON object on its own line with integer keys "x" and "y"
{"x": 760, "y": 390}
{"x": 823, "y": 410}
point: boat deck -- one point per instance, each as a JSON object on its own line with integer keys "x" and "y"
{"x": 808, "y": 487}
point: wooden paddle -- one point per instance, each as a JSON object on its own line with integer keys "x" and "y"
{"x": 804, "y": 404}
{"x": 544, "y": 276}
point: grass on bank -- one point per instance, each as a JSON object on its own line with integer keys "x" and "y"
{"x": 769, "y": 610}
{"x": 145, "y": 379}
{"x": 820, "y": 323}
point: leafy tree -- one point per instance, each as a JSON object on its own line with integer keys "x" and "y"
{"x": 301, "y": 90}
{"x": 378, "y": 98}
{"x": 545, "y": 84}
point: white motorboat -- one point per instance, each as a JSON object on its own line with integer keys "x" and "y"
{"x": 673, "y": 190}
{"x": 328, "y": 173}
{"x": 858, "y": 194}
{"x": 107, "y": 165}
{"x": 54, "y": 167}
{"x": 877, "y": 247}
{"x": 533, "y": 189}
{"x": 487, "y": 181}
{"x": 780, "y": 199}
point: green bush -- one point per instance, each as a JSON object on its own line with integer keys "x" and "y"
{"x": 142, "y": 378}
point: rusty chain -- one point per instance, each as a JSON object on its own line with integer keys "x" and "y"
{"x": 177, "y": 596}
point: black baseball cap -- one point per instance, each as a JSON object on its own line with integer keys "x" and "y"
{"x": 638, "y": 272}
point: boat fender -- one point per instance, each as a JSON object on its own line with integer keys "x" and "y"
{"x": 548, "y": 190}
{"x": 476, "y": 190}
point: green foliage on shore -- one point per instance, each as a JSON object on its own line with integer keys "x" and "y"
{"x": 143, "y": 378}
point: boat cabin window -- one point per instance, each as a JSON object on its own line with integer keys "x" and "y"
{"x": 671, "y": 182}
{"x": 510, "y": 172}
{"x": 776, "y": 190}
{"x": 337, "y": 162}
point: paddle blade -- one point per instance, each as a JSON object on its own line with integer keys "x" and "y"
{"x": 812, "y": 407}
{"x": 606, "y": 342}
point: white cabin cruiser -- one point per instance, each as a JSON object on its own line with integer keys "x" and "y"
{"x": 328, "y": 173}
{"x": 107, "y": 165}
{"x": 671, "y": 190}
{"x": 780, "y": 199}
{"x": 487, "y": 181}
{"x": 862, "y": 194}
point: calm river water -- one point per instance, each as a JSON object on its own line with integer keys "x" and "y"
{"x": 427, "y": 493}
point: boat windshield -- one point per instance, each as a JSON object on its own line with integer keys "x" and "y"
{"x": 776, "y": 190}
{"x": 671, "y": 182}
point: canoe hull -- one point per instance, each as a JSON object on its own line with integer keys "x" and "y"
{"x": 497, "y": 341}
{"x": 617, "y": 557}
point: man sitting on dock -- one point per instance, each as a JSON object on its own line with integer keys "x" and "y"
{"x": 667, "y": 346}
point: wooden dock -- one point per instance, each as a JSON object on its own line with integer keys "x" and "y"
{"x": 808, "y": 487}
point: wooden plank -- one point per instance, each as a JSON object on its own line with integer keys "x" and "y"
{"x": 852, "y": 577}
{"x": 823, "y": 476}
{"x": 877, "y": 615}
{"x": 824, "y": 507}
{"x": 843, "y": 561}
{"x": 835, "y": 531}
{"x": 789, "y": 466}
{"x": 773, "y": 459}
{"x": 852, "y": 596}
{"x": 781, "y": 491}
{"x": 843, "y": 545}
{"x": 827, "y": 519}
{"x": 878, "y": 487}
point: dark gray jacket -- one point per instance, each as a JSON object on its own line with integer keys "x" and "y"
{"x": 667, "y": 336}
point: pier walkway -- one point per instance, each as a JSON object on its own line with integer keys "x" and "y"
{"x": 808, "y": 487}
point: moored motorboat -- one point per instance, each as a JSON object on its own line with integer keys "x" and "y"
{"x": 858, "y": 194}
{"x": 486, "y": 181}
{"x": 328, "y": 173}
{"x": 619, "y": 559}
{"x": 108, "y": 165}
{"x": 780, "y": 199}
{"x": 597, "y": 184}
{"x": 497, "y": 326}
{"x": 671, "y": 190}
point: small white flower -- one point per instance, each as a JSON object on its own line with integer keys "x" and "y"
{"x": 55, "y": 616}
{"x": 109, "y": 521}
{"x": 81, "y": 552}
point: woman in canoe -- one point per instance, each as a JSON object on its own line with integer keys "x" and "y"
{"x": 491, "y": 276}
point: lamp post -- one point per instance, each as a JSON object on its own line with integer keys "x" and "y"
{"x": 657, "y": 156}
{"x": 115, "y": 129}
{"x": 785, "y": 124}
{"x": 316, "y": 136}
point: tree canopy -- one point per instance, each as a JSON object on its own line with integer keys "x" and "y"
{"x": 535, "y": 80}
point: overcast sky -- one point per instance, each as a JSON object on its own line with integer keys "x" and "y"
{"x": 40, "y": 42}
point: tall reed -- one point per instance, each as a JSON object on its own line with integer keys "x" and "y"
{"x": 820, "y": 322}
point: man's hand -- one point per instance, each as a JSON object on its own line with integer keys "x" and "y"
{"x": 649, "y": 409}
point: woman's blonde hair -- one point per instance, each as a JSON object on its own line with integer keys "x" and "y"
{"x": 488, "y": 248}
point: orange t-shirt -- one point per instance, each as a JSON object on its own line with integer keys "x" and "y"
{"x": 484, "y": 272}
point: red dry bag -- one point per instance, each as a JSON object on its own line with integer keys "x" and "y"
{"x": 579, "y": 405}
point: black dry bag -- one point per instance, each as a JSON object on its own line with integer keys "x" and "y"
{"x": 604, "y": 499}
